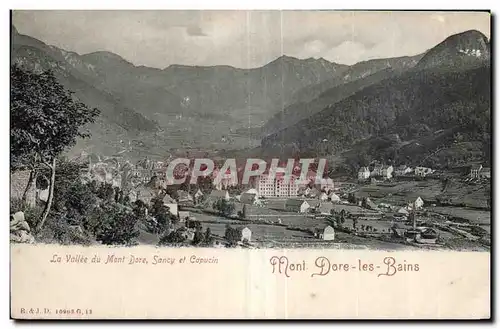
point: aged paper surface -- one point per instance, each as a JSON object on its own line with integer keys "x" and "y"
{"x": 240, "y": 284}
{"x": 250, "y": 165}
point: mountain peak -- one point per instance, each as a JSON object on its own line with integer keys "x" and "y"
{"x": 284, "y": 59}
{"x": 104, "y": 55}
{"x": 465, "y": 48}
{"x": 469, "y": 34}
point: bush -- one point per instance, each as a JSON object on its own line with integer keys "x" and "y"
{"x": 79, "y": 201}
{"x": 32, "y": 215}
{"x": 58, "y": 230}
{"x": 224, "y": 207}
{"x": 115, "y": 225}
{"x": 208, "y": 239}
{"x": 162, "y": 214}
{"x": 198, "y": 237}
{"x": 173, "y": 238}
{"x": 232, "y": 235}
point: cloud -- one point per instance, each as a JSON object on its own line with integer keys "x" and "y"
{"x": 439, "y": 18}
{"x": 246, "y": 38}
{"x": 348, "y": 52}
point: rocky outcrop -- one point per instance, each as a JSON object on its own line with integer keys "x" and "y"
{"x": 19, "y": 229}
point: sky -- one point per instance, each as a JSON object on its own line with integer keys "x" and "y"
{"x": 246, "y": 39}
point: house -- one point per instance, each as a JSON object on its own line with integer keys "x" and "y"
{"x": 402, "y": 170}
{"x": 171, "y": 204}
{"x": 417, "y": 204}
{"x": 422, "y": 235}
{"x": 304, "y": 190}
{"x": 363, "y": 173}
{"x": 248, "y": 198}
{"x": 246, "y": 235}
{"x": 252, "y": 191}
{"x": 383, "y": 171}
{"x": 132, "y": 196}
{"x": 297, "y": 205}
{"x": 423, "y": 171}
{"x": 314, "y": 193}
{"x": 183, "y": 196}
{"x": 323, "y": 196}
{"x": 475, "y": 170}
{"x": 485, "y": 173}
{"x": 325, "y": 184}
{"x": 387, "y": 172}
{"x": 183, "y": 216}
{"x": 333, "y": 197}
{"x": 478, "y": 171}
{"x": 377, "y": 170}
{"x": 198, "y": 195}
{"x": 278, "y": 187}
{"x": 219, "y": 194}
{"x": 369, "y": 204}
{"x": 403, "y": 211}
{"x": 327, "y": 233}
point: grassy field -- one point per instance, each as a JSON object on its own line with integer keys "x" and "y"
{"x": 474, "y": 216}
{"x": 261, "y": 232}
{"x": 402, "y": 192}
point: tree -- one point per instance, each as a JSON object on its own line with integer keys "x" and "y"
{"x": 68, "y": 176}
{"x": 198, "y": 236}
{"x": 106, "y": 192}
{"x": 354, "y": 223}
{"x": 352, "y": 198}
{"x": 140, "y": 208}
{"x": 341, "y": 218}
{"x": 79, "y": 201}
{"x": 117, "y": 194}
{"x": 114, "y": 224}
{"x": 208, "y": 237}
{"x": 224, "y": 207}
{"x": 162, "y": 214}
{"x": 205, "y": 184}
{"x": 45, "y": 120}
{"x": 364, "y": 203}
{"x": 232, "y": 235}
{"x": 336, "y": 220}
{"x": 244, "y": 211}
{"x": 175, "y": 237}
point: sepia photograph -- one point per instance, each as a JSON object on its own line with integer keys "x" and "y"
{"x": 228, "y": 130}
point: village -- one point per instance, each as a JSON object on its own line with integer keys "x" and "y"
{"x": 383, "y": 207}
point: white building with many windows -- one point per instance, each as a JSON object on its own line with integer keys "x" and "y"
{"x": 278, "y": 187}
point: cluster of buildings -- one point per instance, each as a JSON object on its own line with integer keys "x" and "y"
{"x": 281, "y": 187}
{"x": 383, "y": 171}
{"x": 478, "y": 172}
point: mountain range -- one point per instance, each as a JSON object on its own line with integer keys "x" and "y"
{"x": 436, "y": 112}
{"x": 289, "y": 105}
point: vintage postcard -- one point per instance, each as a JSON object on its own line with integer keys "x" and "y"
{"x": 270, "y": 164}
